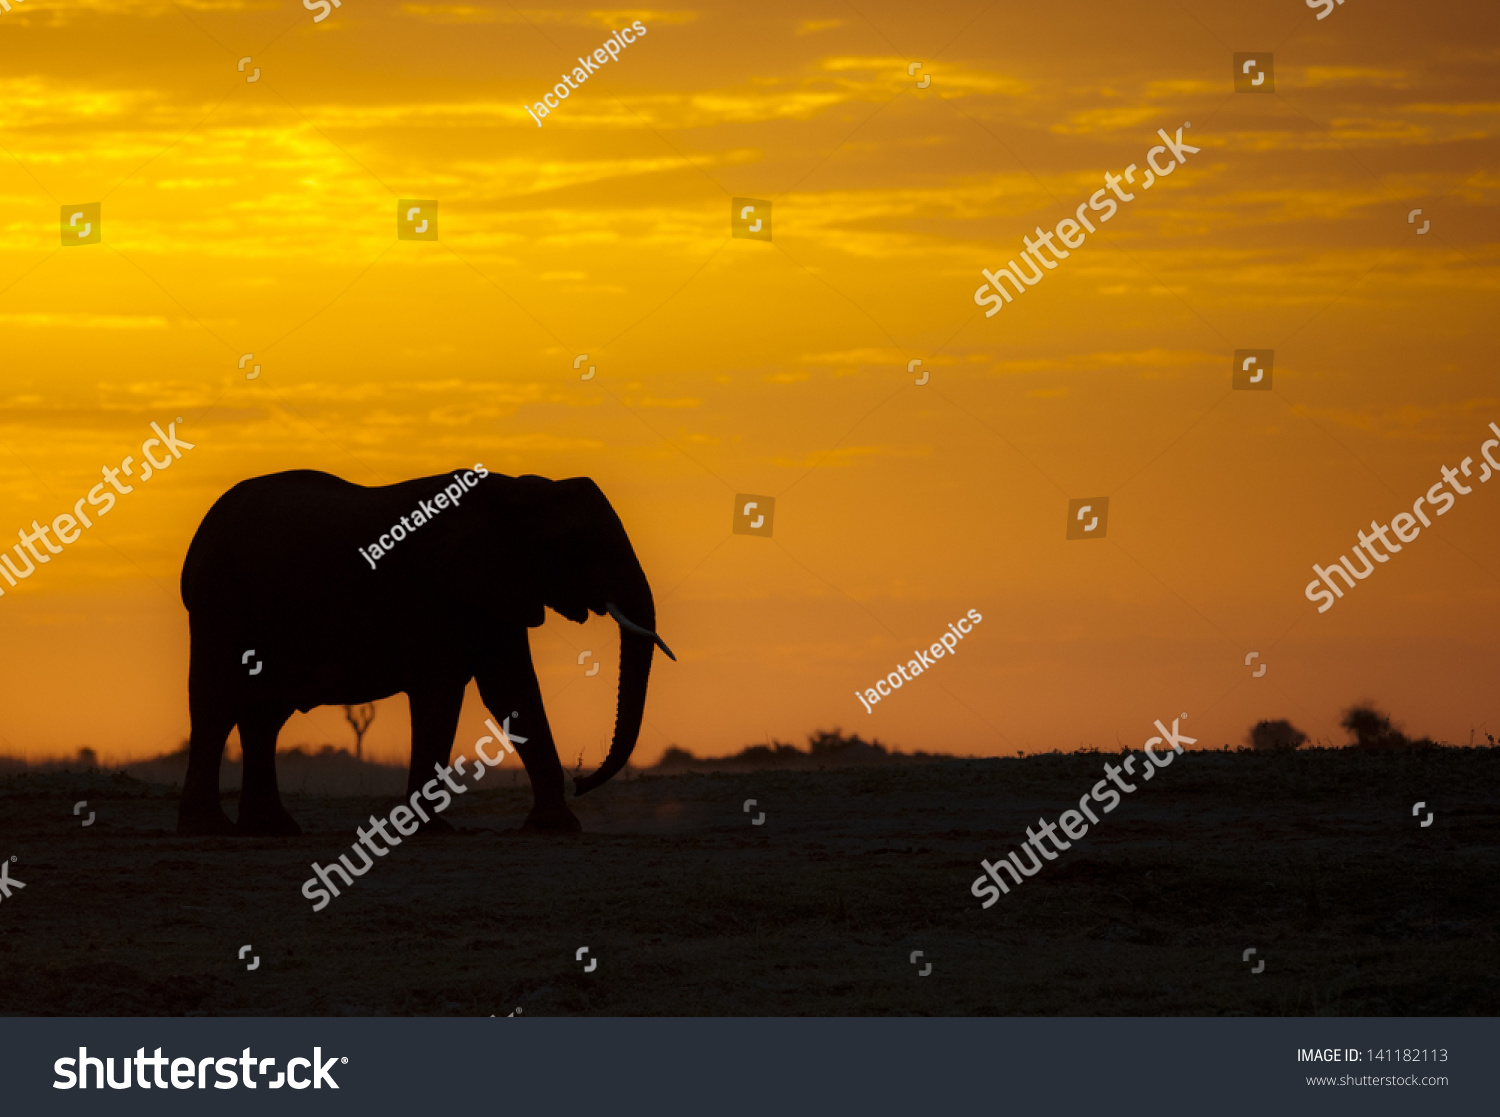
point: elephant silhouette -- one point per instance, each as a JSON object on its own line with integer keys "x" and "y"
{"x": 279, "y": 565}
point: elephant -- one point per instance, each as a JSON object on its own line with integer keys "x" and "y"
{"x": 304, "y": 589}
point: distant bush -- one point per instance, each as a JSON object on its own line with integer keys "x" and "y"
{"x": 767, "y": 754}
{"x": 1276, "y": 736}
{"x": 86, "y": 761}
{"x": 834, "y": 744}
{"x": 1373, "y": 730}
{"x": 1369, "y": 727}
{"x": 823, "y": 748}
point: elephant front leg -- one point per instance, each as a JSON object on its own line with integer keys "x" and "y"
{"x": 509, "y": 689}
{"x": 435, "y": 710}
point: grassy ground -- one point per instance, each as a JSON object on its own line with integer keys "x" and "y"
{"x": 1314, "y": 859}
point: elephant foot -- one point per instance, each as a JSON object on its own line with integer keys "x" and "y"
{"x": 551, "y": 820}
{"x": 205, "y": 823}
{"x": 274, "y": 823}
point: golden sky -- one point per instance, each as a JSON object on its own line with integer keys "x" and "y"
{"x": 259, "y": 217}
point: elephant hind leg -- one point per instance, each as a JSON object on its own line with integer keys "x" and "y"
{"x": 261, "y": 812}
{"x": 198, "y": 810}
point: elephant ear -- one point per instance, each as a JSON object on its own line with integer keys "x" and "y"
{"x": 532, "y": 542}
{"x": 573, "y": 526}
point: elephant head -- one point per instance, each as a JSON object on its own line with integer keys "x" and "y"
{"x": 582, "y": 562}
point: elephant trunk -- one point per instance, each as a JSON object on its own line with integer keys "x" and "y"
{"x": 637, "y": 644}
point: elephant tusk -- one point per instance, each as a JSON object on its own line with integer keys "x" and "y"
{"x": 626, "y": 623}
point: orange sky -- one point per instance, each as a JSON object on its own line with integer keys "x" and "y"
{"x": 259, "y": 217}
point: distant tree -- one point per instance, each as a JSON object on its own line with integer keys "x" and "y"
{"x": 1276, "y": 736}
{"x": 1372, "y": 729}
{"x": 360, "y": 719}
{"x": 826, "y": 744}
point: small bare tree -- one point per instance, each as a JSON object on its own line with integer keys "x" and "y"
{"x": 360, "y": 719}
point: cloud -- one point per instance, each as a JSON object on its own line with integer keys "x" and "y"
{"x": 845, "y": 456}
{"x": 606, "y": 19}
{"x": 1324, "y": 76}
{"x": 1116, "y": 119}
{"x": 85, "y": 321}
{"x": 855, "y": 357}
{"x": 1131, "y": 358}
{"x": 967, "y": 80}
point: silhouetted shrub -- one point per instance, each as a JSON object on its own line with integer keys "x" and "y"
{"x": 767, "y": 754}
{"x": 1276, "y": 736}
{"x": 824, "y": 748}
{"x": 826, "y": 744}
{"x": 1373, "y": 730}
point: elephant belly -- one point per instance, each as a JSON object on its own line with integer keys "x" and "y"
{"x": 323, "y": 659}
